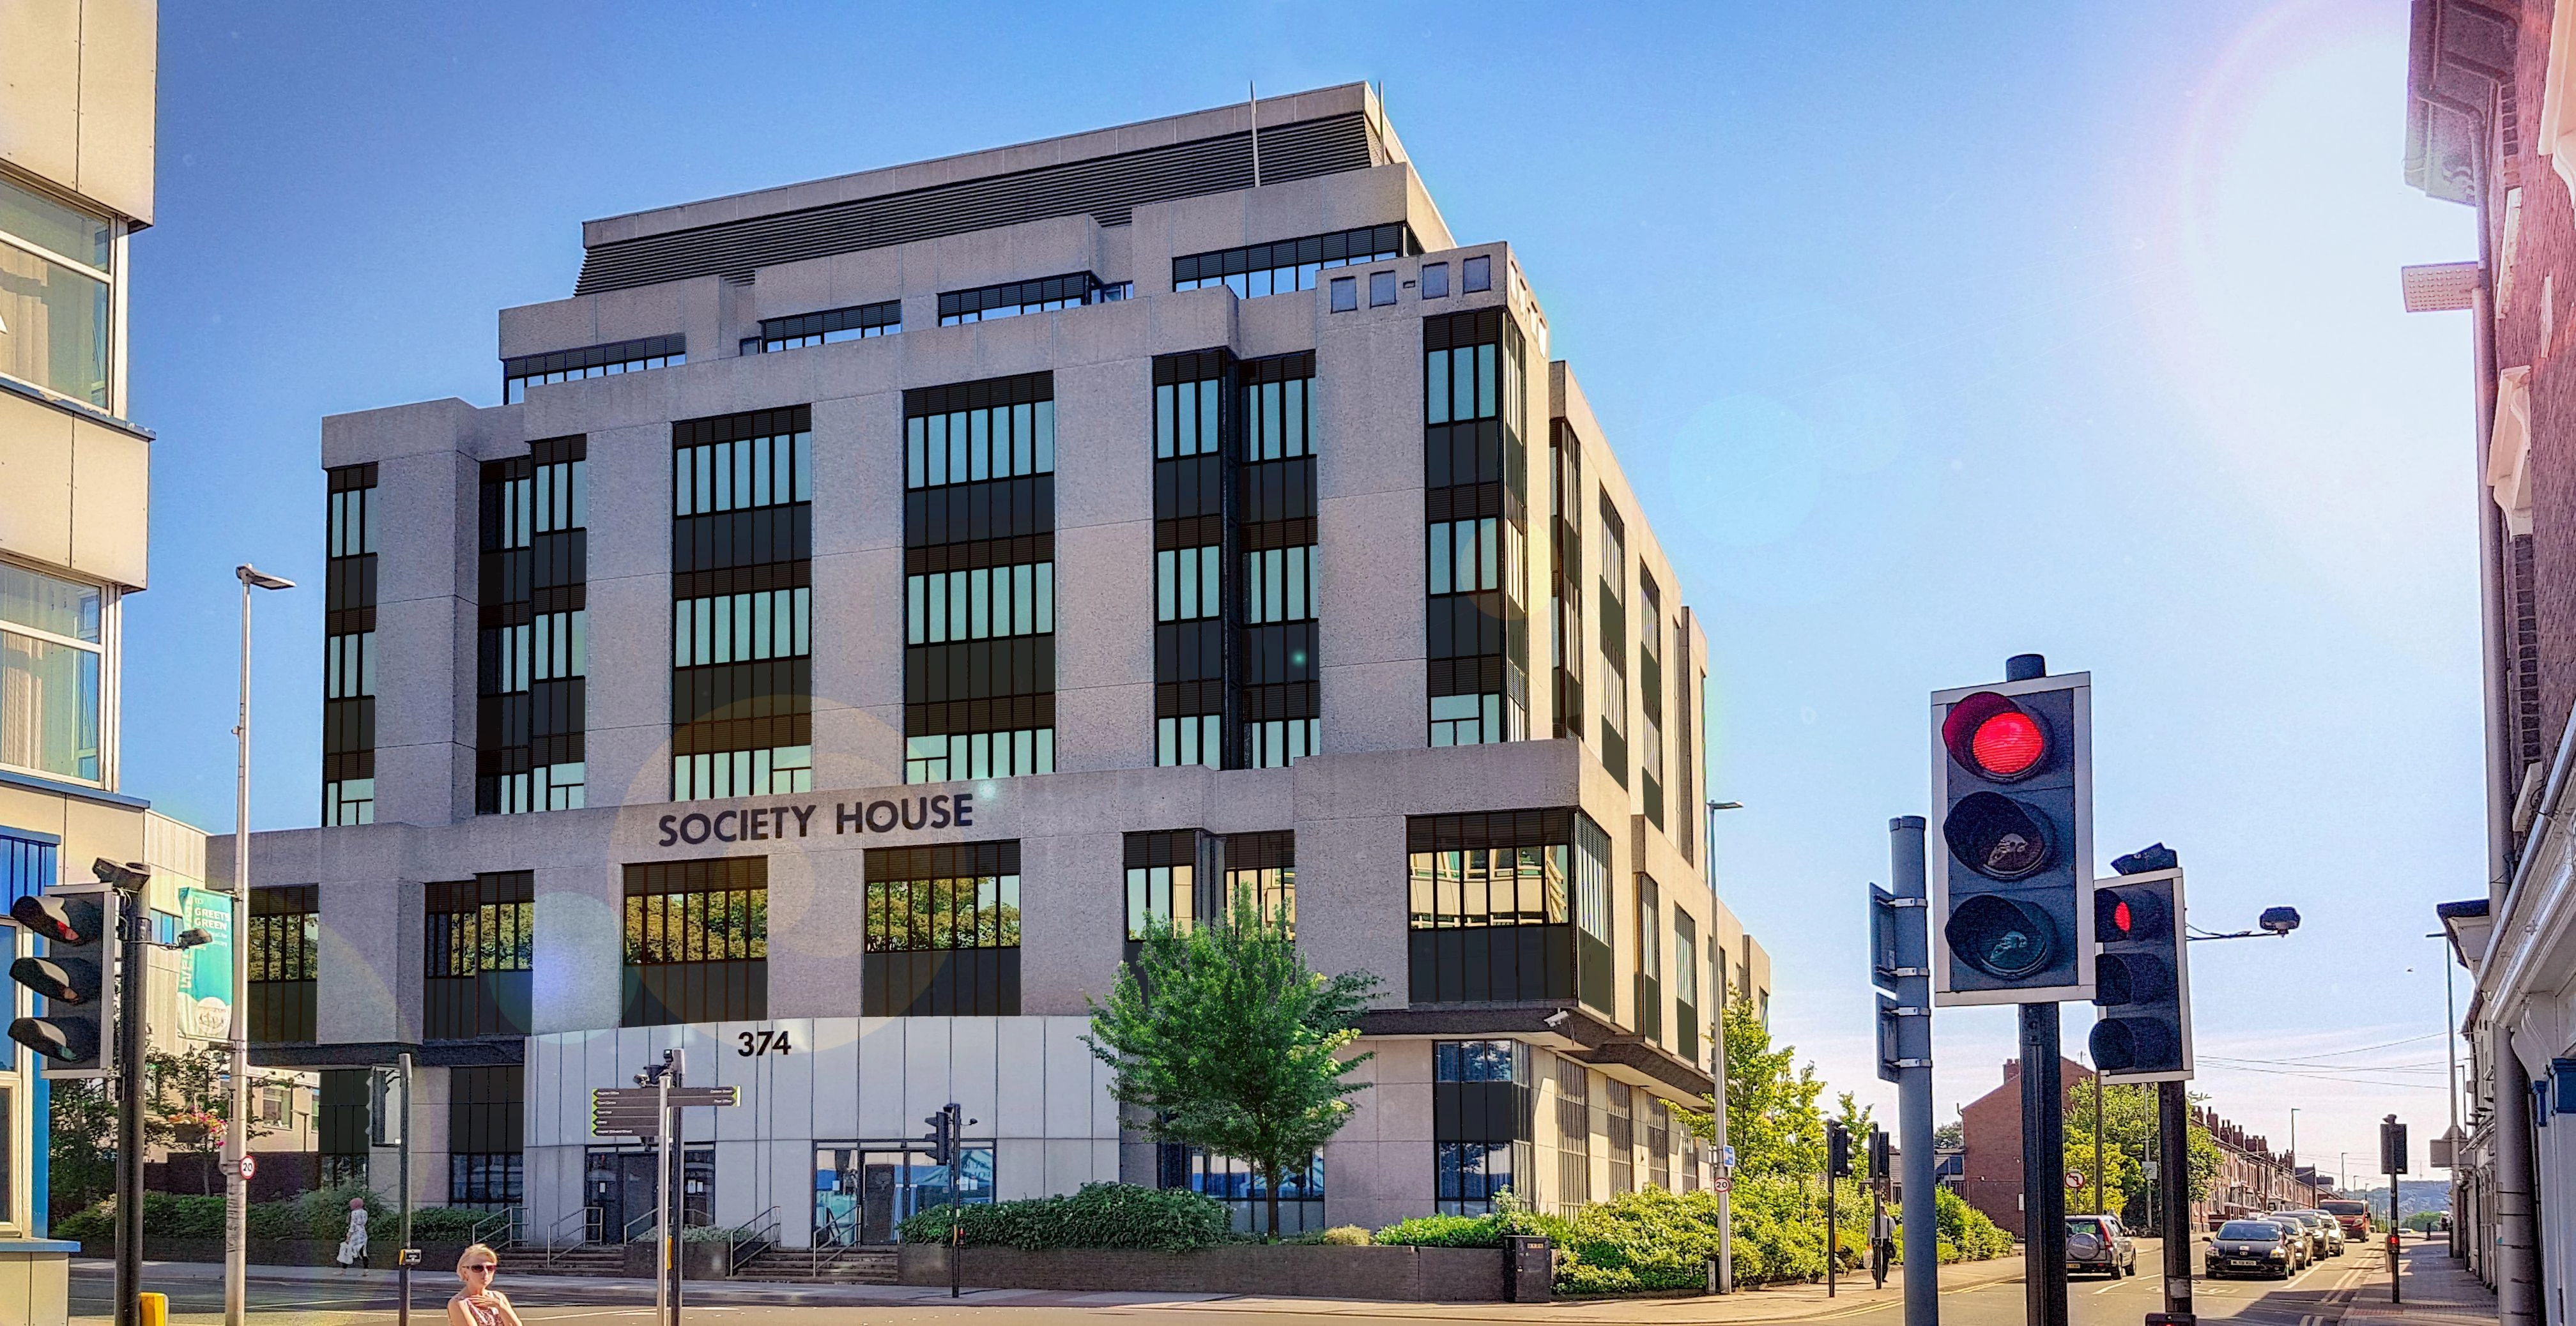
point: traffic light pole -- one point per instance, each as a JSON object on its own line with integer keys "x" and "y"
{"x": 1914, "y": 1103}
{"x": 2043, "y": 1167}
{"x": 131, "y": 935}
{"x": 2173, "y": 1190}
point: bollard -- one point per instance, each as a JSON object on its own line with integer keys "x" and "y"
{"x": 152, "y": 1309}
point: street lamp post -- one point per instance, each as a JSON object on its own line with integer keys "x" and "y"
{"x": 237, "y": 1125}
{"x": 2294, "y": 1147}
{"x": 1725, "y": 1279}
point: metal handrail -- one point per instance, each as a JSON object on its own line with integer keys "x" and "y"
{"x": 627, "y": 1235}
{"x": 591, "y": 1220}
{"x": 505, "y": 1220}
{"x": 823, "y": 1251}
{"x": 759, "y": 1236}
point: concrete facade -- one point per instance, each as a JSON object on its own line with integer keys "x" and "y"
{"x": 77, "y": 94}
{"x": 867, "y": 1077}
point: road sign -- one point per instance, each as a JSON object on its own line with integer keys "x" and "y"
{"x": 636, "y": 1111}
{"x": 2074, "y": 1179}
{"x": 249, "y": 1167}
{"x": 1726, "y": 1183}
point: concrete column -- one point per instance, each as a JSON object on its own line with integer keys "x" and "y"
{"x": 2517, "y": 1220}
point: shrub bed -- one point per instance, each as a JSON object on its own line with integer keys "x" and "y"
{"x": 315, "y": 1215}
{"x": 1100, "y": 1215}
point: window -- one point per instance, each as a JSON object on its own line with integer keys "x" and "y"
{"x": 953, "y": 756}
{"x": 742, "y": 670}
{"x": 1474, "y": 475}
{"x": 983, "y": 604}
{"x": 1650, "y": 961}
{"x": 696, "y": 942}
{"x": 1650, "y": 695}
{"x": 57, "y": 277}
{"x": 1190, "y": 739}
{"x": 1263, "y": 868}
{"x": 1470, "y": 1174}
{"x": 1290, "y": 264}
{"x": 1659, "y": 1144}
{"x": 1621, "y": 1132}
{"x": 1573, "y": 1136}
{"x": 1271, "y": 743}
{"x": 1613, "y": 617}
{"x": 486, "y": 1108}
{"x": 1017, "y": 297}
{"x": 826, "y": 328}
{"x": 1279, "y": 408}
{"x": 736, "y": 628}
{"x": 1476, "y": 274}
{"x": 1592, "y": 914}
{"x": 1279, "y": 585}
{"x": 1186, "y": 583}
{"x": 979, "y": 554}
{"x": 479, "y": 943}
{"x": 1566, "y": 640}
{"x": 1686, "y": 1012}
{"x": 943, "y": 931}
{"x": 348, "y": 625}
{"x": 1435, "y": 280}
{"x": 1245, "y": 1192}
{"x": 1481, "y": 1100}
{"x": 596, "y": 361}
{"x": 548, "y": 647}
{"x": 1187, "y": 418}
{"x": 1381, "y": 289}
{"x": 1346, "y": 294}
{"x": 51, "y": 650}
{"x": 1162, "y": 887}
{"x": 1492, "y": 904}
{"x": 282, "y": 947}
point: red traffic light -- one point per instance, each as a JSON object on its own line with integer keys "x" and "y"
{"x": 2124, "y": 914}
{"x": 1995, "y": 738}
{"x": 48, "y": 917}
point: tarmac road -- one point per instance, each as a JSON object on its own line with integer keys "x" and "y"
{"x": 2315, "y": 1297}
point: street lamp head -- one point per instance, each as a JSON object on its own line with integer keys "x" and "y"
{"x": 192, "y": 937}
{"x": 2279, "y": 920}
{"x": 254, "y": 578}
{"x": 1726, "y": 805}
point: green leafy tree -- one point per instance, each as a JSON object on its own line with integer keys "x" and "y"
{"x": 1226, "y": 1040}
{"x": 2128, "y": 1112}
{"x": 82, "y": 1150}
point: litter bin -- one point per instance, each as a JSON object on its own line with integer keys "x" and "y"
{"x": 1529, "y": 1269}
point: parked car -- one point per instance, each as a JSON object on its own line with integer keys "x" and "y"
{"x": 2097, "y": 1243}
{"x": 2353, "y": 1216}
{"x": 2254, "y": 1247}
{"x": 2333, "y": 1230}
{"x": 2309, "y": 1235}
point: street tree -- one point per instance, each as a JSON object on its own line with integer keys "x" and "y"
{"x": 1224, "y": 1039}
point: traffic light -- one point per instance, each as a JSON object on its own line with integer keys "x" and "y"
{"x": 942, "y": 1137}
{"x": 73, "y": 1032}
{"x": 2012, "y": 778}
{"x": 1880, "y": 1157}
{"x": 2141, "y": 980}
{"x": 1838, "y": 1160}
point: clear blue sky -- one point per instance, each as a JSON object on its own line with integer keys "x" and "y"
{"x": 1930, "y": 337}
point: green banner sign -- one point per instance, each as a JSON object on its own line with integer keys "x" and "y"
{"x": 206, "y": 973}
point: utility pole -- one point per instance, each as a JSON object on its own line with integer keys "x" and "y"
{"x": 1914, "y": 1083}
{"x": 2173, "y": 1186}
{"x": 237, "y": 1126}
{"x": 132, "y": 933}
{"x": 403, "y": 1253}
{"x": 2098, "y": 1173}
{"x": 2043, "y": 1167}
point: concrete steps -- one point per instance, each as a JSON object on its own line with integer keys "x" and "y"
{"x": 830, "y": 1266}
{"x": 606, "y": 1259}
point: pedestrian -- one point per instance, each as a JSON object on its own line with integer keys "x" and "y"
{"x": 478, "y": 1303}
{"x": 353, "y": 1246}
{"x": 1882, "y": 1245}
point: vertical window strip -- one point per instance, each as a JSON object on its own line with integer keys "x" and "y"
{"x": 956, "y": 756}
{"x": 742, "y": 628}
{"x": 1187, "y": 583}
{"x": 742, "y": 475}
{"x": 1279, "y": 585}
{"x": 968, "y": 446}
{"x": 984, "y": 603}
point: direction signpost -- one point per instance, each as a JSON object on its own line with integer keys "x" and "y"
{"x": 651, "y": 1112}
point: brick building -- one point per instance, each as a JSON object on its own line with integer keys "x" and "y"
{"x": 1990, "y": 1134}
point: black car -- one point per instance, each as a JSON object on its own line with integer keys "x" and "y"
{"x": 2255, "y": 1247}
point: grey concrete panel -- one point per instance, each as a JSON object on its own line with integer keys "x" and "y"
{"x": 579, "y": 920}
{"x": 557, "y": 324}
{"x": 1373, "y": 577}
{"x": 859, "y": 618}
{"x": 1374, "y": 706}
{"x": 1350, "y": 891}
{"x": 1104, "y": 443}
{"x": 398, "y": 430}
{"x": 858, "y": 455}
{"x": 1286, "y": 210}
{"x": 629, "y": 691}
{"x": 816, "y": 937}
{"x": 1072, "y": 887}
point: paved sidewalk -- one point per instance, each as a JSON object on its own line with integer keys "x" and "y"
{"x": 1770, "y": 1304}
{"x": 2434, "y": 1290}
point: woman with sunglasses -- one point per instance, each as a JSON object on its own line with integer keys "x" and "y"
{"x": 479, "y": 1304}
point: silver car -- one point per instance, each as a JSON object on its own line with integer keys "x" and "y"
{"x": 2306, "y": 1230}
{"x": 2097, "y": 1243}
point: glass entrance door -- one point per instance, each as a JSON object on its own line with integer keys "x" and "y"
{"x": 618, "y": 1187}
{"x": 864, "y": 1191}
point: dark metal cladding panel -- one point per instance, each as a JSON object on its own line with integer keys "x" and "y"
{"x": 1109, "y": 188}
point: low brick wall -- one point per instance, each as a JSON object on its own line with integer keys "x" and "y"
{"x": 1405, "y": 1275}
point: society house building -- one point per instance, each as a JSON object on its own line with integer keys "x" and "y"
{"x": 875, "y": 599}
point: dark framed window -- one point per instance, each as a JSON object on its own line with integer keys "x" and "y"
{"x": 281, "y": 950}
{"x": 1620, "y": 1130}
{"x": 1476, "y": 274}
{"x": 1650, "y": 960}
{"x": 826, "y": 328}
{"x": 348, "y": 626}
{"x": 1573, "y": 1136}
{"x": 591, "y": 361}
{"x": 1496, "y": 900}
{"x": 1013, "y": 298}
{"x": 1263, "y": 866}
{"x": 1346, "y": 294}
{"x": 742, "y": 544}
{"x": 1381, "y": 289}
{"x": 1567, "y": 643}
{"x": 479, "y": 942}
{"x": 1613, "y": 625}
{"x": 1650, "y": 696}
{"x": 486, "y": 1134}
{"x": 1659, "y": 1144}
{"x": 1686, "y": 1012}
{"x": 1470, "y": 1173}
{"x": 340, "y": 1124}
{"x": 1435, "y": 280}
{"x": 1475, "y": 499}
{"x": 1245, "y": 1192}
{"x": 696, "y": 942}
{"x": 1162, "y": 882}
{"x": 942, "y": 931}
{"x": 1281, "y": 266}
{"x": 979, "y": 567}
{"x": 1483, "y": 1099}
{"x": 534, "y": 654}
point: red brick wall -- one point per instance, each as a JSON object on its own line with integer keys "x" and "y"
{"x": 1990, "y": 1131}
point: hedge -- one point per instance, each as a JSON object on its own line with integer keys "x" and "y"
{"x": 1100, "y": 1215}
{"x": 320, "y": 1215}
